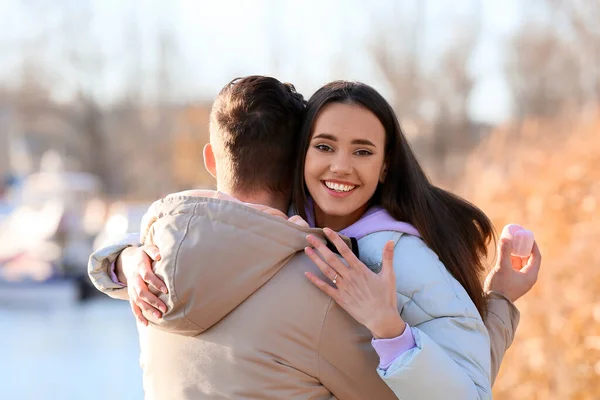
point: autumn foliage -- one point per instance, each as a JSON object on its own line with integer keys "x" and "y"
{"x": 546, "y": 176}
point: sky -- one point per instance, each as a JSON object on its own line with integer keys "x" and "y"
{"x": 307, "y": 43}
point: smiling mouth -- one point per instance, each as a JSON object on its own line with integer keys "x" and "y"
{"x": 339, "y": 187}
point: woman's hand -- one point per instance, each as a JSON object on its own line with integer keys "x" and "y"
{"x": 368, "y": 297}
{"x": 513, "y": 276}
{"x": 135, "y": 263}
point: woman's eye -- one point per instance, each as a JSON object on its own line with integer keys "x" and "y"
{"x": 363, "y": 153}
{"x": 323, "y": 147}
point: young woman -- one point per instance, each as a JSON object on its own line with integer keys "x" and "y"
{"x": 359, "y": 175}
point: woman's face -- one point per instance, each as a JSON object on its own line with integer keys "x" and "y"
{"x": 344, "y": 163}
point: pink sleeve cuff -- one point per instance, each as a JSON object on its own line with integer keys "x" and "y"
{"x": 113, "y": 275}
{"x": 390, "y": 349}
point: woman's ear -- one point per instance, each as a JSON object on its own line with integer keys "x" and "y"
{"x": 383, "y": 173}
{"x": 209, "y": 160}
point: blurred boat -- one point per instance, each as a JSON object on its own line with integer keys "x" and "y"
{"x": 28, "y": 279}
{"x": 45, "y": 241}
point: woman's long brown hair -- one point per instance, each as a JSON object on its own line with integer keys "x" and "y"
{"x": 456, "y": 230}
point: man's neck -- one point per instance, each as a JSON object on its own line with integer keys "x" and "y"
{"x": 279, "y": 202}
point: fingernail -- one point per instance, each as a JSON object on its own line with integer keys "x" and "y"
{"x": 164, "y": 290}
{"x": 308, "y": 250}
{"x": 310, "y": 239}
{"x": 157, "y": 314}
{"x": 163, "y": 309}
{"x": 327, "y": 231}
{"x": 157, "y": 258}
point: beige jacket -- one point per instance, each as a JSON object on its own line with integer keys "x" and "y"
{"x": 243, "y": 320}
{"x": 286, "y": 340}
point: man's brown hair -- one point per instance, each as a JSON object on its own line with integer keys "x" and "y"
{"x": 256, "y": 120}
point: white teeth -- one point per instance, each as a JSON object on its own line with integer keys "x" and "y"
{"x": 338, "y": 187}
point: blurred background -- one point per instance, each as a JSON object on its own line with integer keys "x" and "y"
{"x": 104, "y": 108}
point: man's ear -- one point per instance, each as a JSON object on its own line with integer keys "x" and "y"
{"x": 209, "y": 160}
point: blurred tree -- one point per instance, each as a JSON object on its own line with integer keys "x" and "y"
{"x": 396, "y": 52}
{"x": 434, "y": 100}
{"x": 120, "y": 140}
{"x": 581, "y": 18}
{"x": 190, "y": 136}
{"x": 543, "y": 73}
{"x": 554, "y": 63}
{"x": 454, "y": 133}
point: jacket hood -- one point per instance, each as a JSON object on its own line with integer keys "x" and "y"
{"x": 214, "y": 255}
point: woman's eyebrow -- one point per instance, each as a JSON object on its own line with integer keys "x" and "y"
{"x": 328, "y": 136}
{"x": 364, "y": 142}
{"x": 325, "y": 136}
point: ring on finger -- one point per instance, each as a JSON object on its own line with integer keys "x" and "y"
{"x": 335, "y": 279}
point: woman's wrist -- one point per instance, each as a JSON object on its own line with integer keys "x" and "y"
{"x": 388, "y": 327}
{"x": 121, "y": 275}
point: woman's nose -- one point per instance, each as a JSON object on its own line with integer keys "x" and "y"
{"x": 341, "y": 165}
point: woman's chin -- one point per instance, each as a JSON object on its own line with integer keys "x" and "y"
{"x": 334, "y": 209}
{"x": 339, "y": 211}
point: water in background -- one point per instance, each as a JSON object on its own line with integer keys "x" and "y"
{"x": 87, "y": 351}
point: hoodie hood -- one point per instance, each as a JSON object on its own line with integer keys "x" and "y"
{"x": 376, "y": 219}
{"x": 215, "y": 253}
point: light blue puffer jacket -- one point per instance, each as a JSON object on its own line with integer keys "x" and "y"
{"x": 451, "y": 359}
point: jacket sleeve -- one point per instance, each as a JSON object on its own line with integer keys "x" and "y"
{"x": 100, "y": 264}
{"x": 451, "y": 359}
{"x": 501, "y": 322}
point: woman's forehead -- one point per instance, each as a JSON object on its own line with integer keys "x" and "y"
{"x": 348, "y": 122}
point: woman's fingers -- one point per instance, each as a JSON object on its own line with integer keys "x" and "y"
{"x": 147, "y": 309}
{"x": 330, "y": 258}
{"x": 138, "y": 313}
{"x": 504, "y": 250}
{"x": 148, "y": 275}
{"x": 387, "y": 259}
{"x": 149, "y": 298}
{"x": 268, "y": 210}
{"x": 146, "y": 300}
{"x": 152, "y": 252}
{"x": 324, "y": 287}
{"x": 532, "y": 268}
{"x": 325, "y": 268}
{"x": 342, "y": 247}
{"x": 296, "y": 219}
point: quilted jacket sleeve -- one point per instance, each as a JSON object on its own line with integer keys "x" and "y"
{"x": 101, "y": 261}
{"x": 502, "y": 320}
